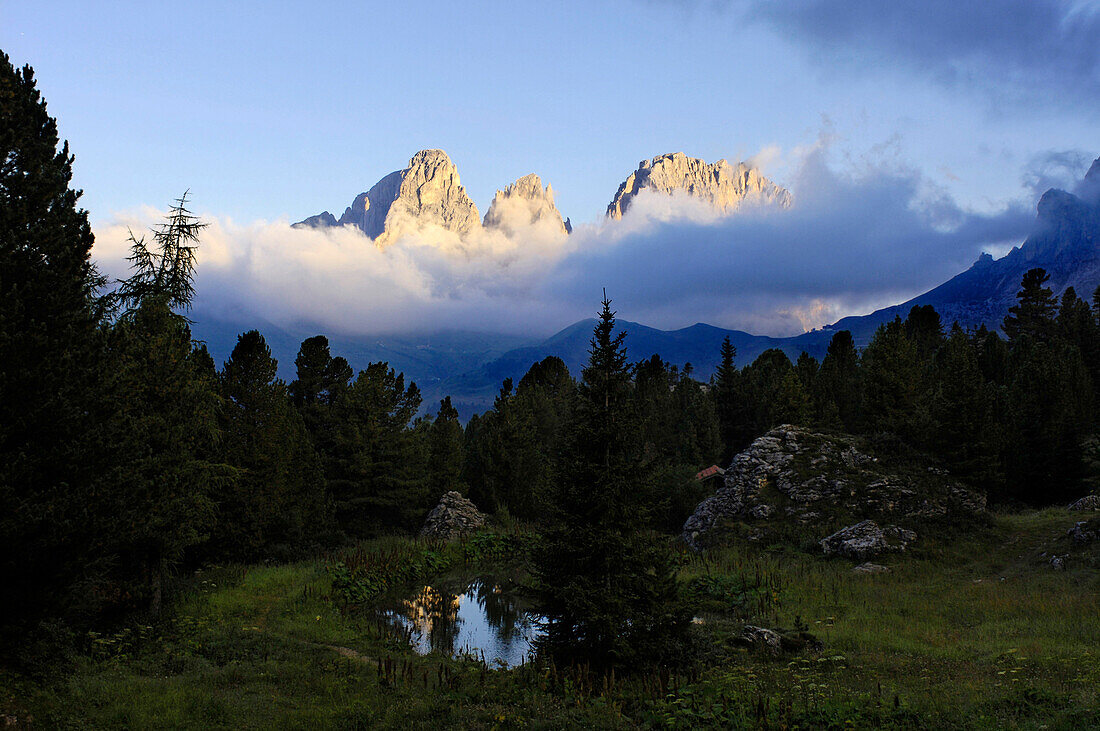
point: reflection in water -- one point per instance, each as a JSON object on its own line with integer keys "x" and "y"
{"x": 483, "y": 619}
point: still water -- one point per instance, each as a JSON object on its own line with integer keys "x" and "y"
{"x": 478, "y": 617}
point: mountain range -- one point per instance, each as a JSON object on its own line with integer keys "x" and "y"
{"x": 470, "y": 366}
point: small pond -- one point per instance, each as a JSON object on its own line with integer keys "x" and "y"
{"x": 481, "y": 617}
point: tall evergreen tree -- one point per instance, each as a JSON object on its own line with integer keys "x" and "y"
{"x": 374, "y": 464}
{"x": 447, "y": 449}
{"x": 321, "y": 377}
{"x": 925, "y": 330}
{"x": 966, "y": 431}
{"x": 608, "y": 591}
{"x": 49, "y": 359}
{"x": 839, "y": 381}
{"x": 1049, "y": 413}
{"x": 727, "y": 401}
{"x": 1078, "y": 326}
{"x": 165, "y": 268}
{"x": 278, "y": 498}
{"x": 761, "y": 383}
{"x": 165, "y": 467}
{"x": 892, "y": 382}
{"x": 1033, "y": 314}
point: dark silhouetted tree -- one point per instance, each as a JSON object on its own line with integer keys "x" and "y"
{"x": 278, "y": 498}
{"x": 49, "y": 361}
{"x": 608, "y": 590}
{"x": 1033, "y": 314}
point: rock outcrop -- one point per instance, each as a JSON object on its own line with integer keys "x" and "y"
{"x": 522, "y": 204}
{"x": 866, "y": 540}
{"x": 793, "y": 478}
{"x": 427, "y": 192}
{"x": 762, "y": 639}
{"x": 1088, "y": 502}
{"x": 453, "y": 517}
{"x": 1086, "y": 531}
{"x": 721, "y": 184}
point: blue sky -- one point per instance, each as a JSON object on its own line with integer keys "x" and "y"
{"x": 269, "y": 109}
{"x": 279, "y": 110}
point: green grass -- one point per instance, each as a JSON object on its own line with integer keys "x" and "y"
{"x": 974, "y": 632}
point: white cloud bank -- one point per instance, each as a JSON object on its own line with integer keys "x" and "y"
{"x": 852, "y": 241}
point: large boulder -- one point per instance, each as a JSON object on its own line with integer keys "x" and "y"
{"x": 1086, "y": 531}
{"x": 796, "y": 480}
{"x": 453, "y": 517}
{"x": 1088, "y": 502}
{"x": 866, "y": 540}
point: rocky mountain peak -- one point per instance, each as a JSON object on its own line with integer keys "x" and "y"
{"x": 427, "y": 192}
{"x": 1094, "y": 170}
{"x": 723, "y": 185}
{"x": 524, "y": 203}
{"x": 1089, "y": 190}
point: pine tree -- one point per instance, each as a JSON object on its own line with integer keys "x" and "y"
{"x": 608, "y": 591}
{"x": 49, "y": 361}
{"x": 1033, "y": 314}
{"x": 278, "y": 498}
{"x": 925, "y": 330}
{"x": 892, "y": 382}
{"x": 375, "y": 465}
{"x": 965, "y": 429}
{"x": 839, "y": 381}
{"x": 165, "y": 269}
{"x": 1077, "y": 326}
{"x": 761, "y": 383}
{"x": 793, "y": 404}
{"x": 1049, "y": 399}
{"x": 164, "y": 431}
{"x": 320, "y": 376}
{"x": 727, "y": 402}
{"x": 447, "y": 449}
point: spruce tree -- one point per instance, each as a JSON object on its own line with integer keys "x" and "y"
{"x": 447, "y": 448}
{"x": 1033, "y": 314}
{"x": 49, "y": 361}
{"x": 320, "y": 376}
{"x": 839, "y": 381}
{"x": 727, "y": 403}
{"x": 892, "y": 382}
{"x": 607, "y": 589}
{"x": 278, "y": 498}
{"x": 965, "y": 430}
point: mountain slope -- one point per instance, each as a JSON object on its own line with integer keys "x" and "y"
{"x": 1065, "y": 241}
{"x": 698, "y": 345}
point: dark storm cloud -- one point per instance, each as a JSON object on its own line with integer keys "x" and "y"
{"x": 1030, "y": 51}
{"x": 849, "y": 238}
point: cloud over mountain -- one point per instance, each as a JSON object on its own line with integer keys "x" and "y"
{"x": 851, "y": 240}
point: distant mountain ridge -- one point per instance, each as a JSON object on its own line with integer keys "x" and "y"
{"x": 429, "y": 192}
{"x": 470, "y": 367}
{"x": 1065, "y": 241}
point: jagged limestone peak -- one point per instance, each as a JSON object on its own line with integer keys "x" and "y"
{"x": 427, "y": 192}
{"x": 721, "y": 184}
{"x": 524, "y": 203}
